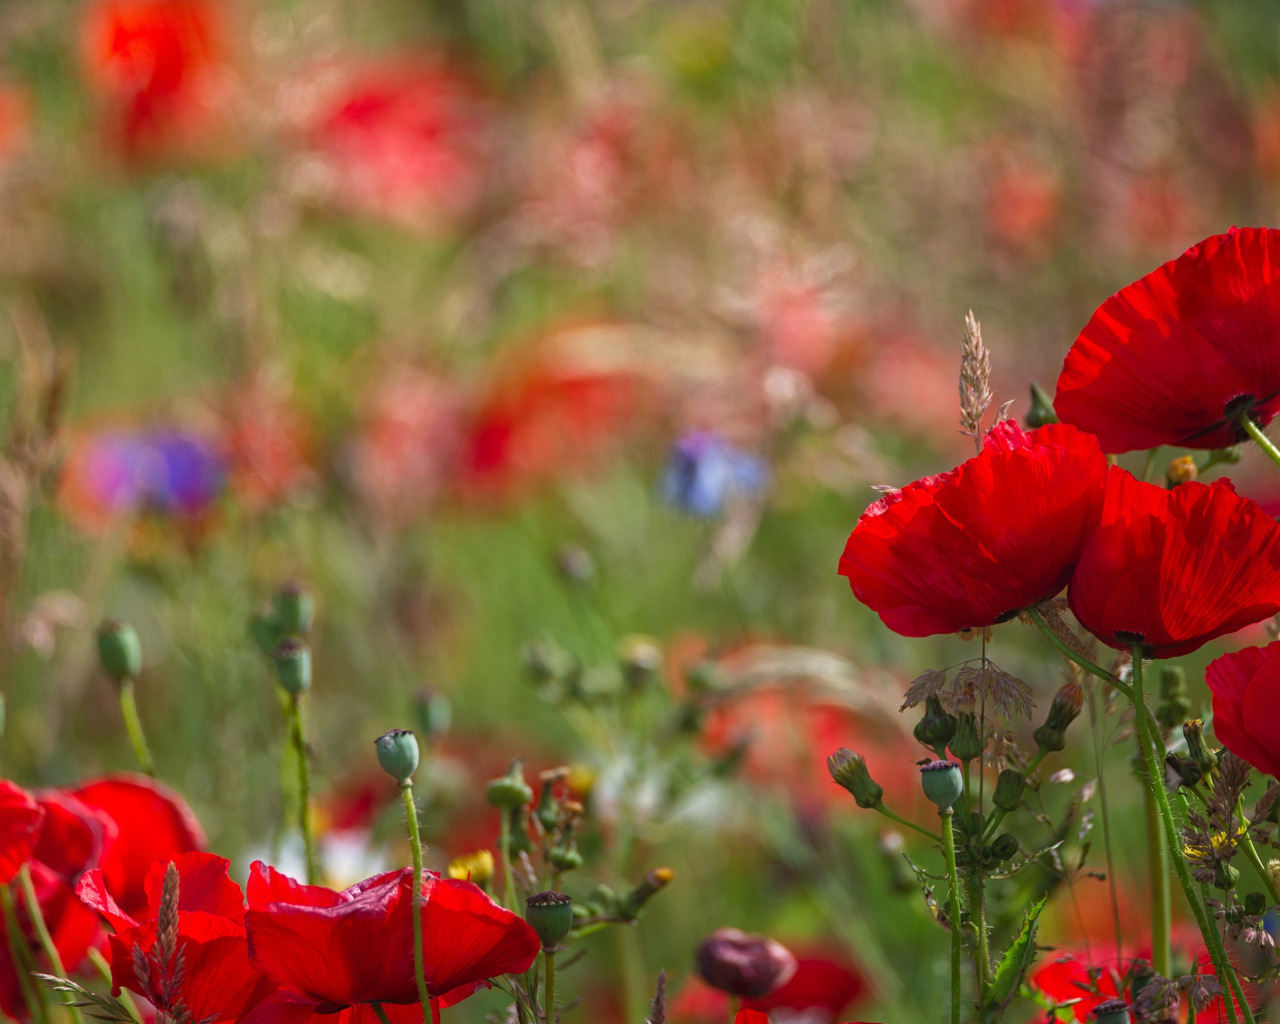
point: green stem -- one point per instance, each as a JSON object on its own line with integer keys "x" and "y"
{"x": 415, "y": 844}
{"x": 1080, "y": 660}
{"x": 504, "y": 852}
{"x": 20, "y": 951}
{"x": 981, "y": 958}
{"x": 1154, "y": 780}
{"x": 549, "y": 989}
{"x": 953, "y": 892}
{"x": 1151, "y": 463}
{"x": 104, "y": 971}
{"x": 1259, "y": 438}
{"x": 1252, "y": 853}
{"x": 1157, "y": 869}
{"x": 133, "y": 726}
{"x": 909, "y": 824}
{"x": 298, "y": 735}
{"x": 42, "y": 933}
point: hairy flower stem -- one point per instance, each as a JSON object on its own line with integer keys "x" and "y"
{"x": 1259, "y": 438}
{"x": 1148, "y": 737}
{"x": 380, "y": 1013}
{"x": 1251, "y": 852}
{"x": 20, "y": 953}
{"x": 133, "y": 726}
{"x": 953, "y": 892}
{"x": 549, "y": 986}
{"x": 1157, "y": 875}
{"x": 415, "y": 844}
{"x": 42, "y": 933}
{"x": 298, "y": 737}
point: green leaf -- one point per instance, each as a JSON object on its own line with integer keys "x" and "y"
{"x": 1015, "y": 963}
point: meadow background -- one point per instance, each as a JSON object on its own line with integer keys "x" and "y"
{"x": 585, "y": 326}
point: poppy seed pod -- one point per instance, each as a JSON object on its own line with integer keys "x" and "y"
{"x": 550, "y": 914}
{"x": 398, "y": 754}
{"x": 937, "y": 726}
{"x": 850, "y": 771}
{"x": 293, "y": 666}
{"x": 967, "y": 743}
{"x": 1063, "y": 710}
{"x": 1112, "y": 1011}
{"x": 942, "y": 783}
{"x": 295, "y": 608}
{"x": 1009, "y": 787}
{"x": 119, "y": 651}
{"x": 510, "y": 791}
{"x": 750, "y": 966}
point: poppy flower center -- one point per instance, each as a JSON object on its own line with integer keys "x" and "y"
{"x": 1130, "y": 637}
{"x": 1012, "y": 613}
{"x": 1241, "y": 405}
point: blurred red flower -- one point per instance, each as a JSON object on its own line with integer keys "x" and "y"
{"x": 1245, "y": 685}
{"x": 266, "y": 443}
{"x": 1178, "y": 355}
{"x": 1171, "y": 570}
{"x": 160, "y": 69}
{"x": 1065, "y": 978}
{"x": 217, "y": 982}
{"x": 825, "y": 983}
{"x": 20, "y": 821}
{"x": 975, "y": 546}
{"x": 333, "y": 950}
{"x": 406, "y": 139}
{"x": 15, "y": 115}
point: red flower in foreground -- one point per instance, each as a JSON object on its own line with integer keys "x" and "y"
{"x": 1171, "y": 570}
{"x": 975, "y": 546}
{"x": 1177, "y": 356}
{"x": 331, "y": 951}
{"x": 1245, "y": 685}
{"x": 218, "y": 982}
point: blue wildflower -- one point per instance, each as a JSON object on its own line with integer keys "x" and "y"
{"x": 704, "y": 471}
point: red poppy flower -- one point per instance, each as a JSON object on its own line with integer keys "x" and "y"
{"x": 751, "y": 1017}
{"x": 20, "y": 821}
{"x": 1178, "y": 355}
{"x": 1244, "y": 686}
{"x": 218, "y": 982}
{"x": 975, "y": 546}
{"x": 1171, "y": 570}
{"x": 1065, "y": 979}
{"x": 160, "y": 68}
{"x": 331, "y": 951}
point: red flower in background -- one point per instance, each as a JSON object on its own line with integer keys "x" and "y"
{"x": 1246, "y": 718}
{"x": 1065, "y": 979}
{"x": 160, "y": 69}
{"x": 218, "y": 982}
{"x": 406, "y": 140}
{"x": 975, "y": 546}
{"x": 824, "y": 984}
{"x": 1176, "y": 356}
{"x": 15, "y": 115}
{"x": 267, "y": 445}
{"x": 1171, "y": 570}
{"x": 334, "y": 950}
{"x": 20, "y": 821}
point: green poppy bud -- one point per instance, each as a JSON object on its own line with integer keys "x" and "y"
{"x": 1255, "y": 903}
{"x": 293, "y": 666}
{"x": 398, "y": 754}
{"x": 263, "y": 630}
{"x": 510, "y": 791}
{"x": 967, "y": 743}
{"x": 937, "y": 726}
{"x": 119, "y": 651}
{"x": 1225, "y": 876}
{"x": 1004, "y": 847}
{"x": 550, "y": 914}
{"x": 1009, "y": 787}
{"x": 548, "y": 812}
{"x": 942, "y": 783}
{"x": 1041, "y": 412}
{"x": 1112, "y": 1011}
{"x": 295, "y": 608}
{"x": 630, "y": 905}
{"x": 850, "y": 771}
{"x": 1172, "y": 703}
{"x": 1063, "y": 710}
{"x": 565, "y": 858}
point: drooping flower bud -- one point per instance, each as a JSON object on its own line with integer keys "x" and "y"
{"x": 1112, "y": 1011}
{"x": 1041, "y": 412}
{"x": 550, "y": 914}
{"x": 1255, "y": 904}
{"x": 293, "y": 666}
{"x": 295, "y": 608}
{"x": 398, "y": 754}
{"x": 1197, "y": 749}
{"x": 630, "y": 905}
{"x": 1181, "y": 470}
{"x": 942, "y": 783}
{"x": 548, "y": 812}
{"x": 473, "y": 867}
{"x": 1172, "y": 704}
{"x": 1063, "y": 710}
{"x": 750, "y": 966}
{"x": 937, "y": 726}
{"x": 119, "y": 651}
{"x": 850, "y": 771}
{"x": 967, "y": 743}
{"x": 1009, "y": 787}
{"x": 510, "y": 791}
{"x": 1004, "y": 847}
